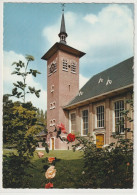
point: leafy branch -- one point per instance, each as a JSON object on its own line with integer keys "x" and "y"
{"x": 21, "y": 69}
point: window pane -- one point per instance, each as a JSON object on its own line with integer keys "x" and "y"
{"x": 73, "y": 123}
{"x": 100, "y": 116}
{"x": 119, "y": 119}
{"x": 85, "y": 122}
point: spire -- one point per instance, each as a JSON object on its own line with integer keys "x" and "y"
{"x": 62, "y": 33}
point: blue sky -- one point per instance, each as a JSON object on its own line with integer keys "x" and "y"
{"x": 103, "y": 31}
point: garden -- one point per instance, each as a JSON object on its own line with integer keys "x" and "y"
{"x": 85, "y": 166}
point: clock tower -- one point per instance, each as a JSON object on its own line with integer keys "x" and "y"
{"x": 62, "y": 84}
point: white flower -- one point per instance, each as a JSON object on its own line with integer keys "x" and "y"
{"x": 50, "y": 173}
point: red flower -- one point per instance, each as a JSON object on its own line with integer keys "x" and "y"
{"x": 62, "y": 127}
{"x": 50, "y": 159}
{"x": 128, "y": 164}
{"x": 71, "y": 137}
{"x": 49, "y": 185}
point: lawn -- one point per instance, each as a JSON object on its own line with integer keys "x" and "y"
{"x": 69, "y": 167}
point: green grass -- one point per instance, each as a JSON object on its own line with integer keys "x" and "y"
{"x": 69, "y": 167}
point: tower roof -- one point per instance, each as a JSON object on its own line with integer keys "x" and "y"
{"x": 62, "y": 27}
{"x": 62, "y": 47}
{"x": 62, "y": 33}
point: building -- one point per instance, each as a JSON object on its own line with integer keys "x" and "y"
{"x": 94, "y": 109}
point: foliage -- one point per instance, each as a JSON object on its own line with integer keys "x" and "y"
{"x": 14, "y": 173}
{"x": 7, "y": 116}
{"x": 111, "y": 166}
{"x": 69, "y": 166}
{"x": 107, "y": 167}
{"x": 21, "y": 127}
{"x": 20, "y": 87}
{"x": 42, "y": 116}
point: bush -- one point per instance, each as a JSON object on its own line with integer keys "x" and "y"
{"x": 109, "y": 167}
{"x": 14, "y": 172}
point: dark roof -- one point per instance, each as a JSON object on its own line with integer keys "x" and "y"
{"x": 63, "y": 28}
{"x": 62, "y": 47}
{"x": 120, "y": 75}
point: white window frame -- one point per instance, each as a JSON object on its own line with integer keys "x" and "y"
{"x": 52, "y": 88}
{"x": 73, "y": 66}
{"x": 113, "y": 114}
{"x": 96, "y": 116}
{"x": 65, "y": 61}
{"x": 52, "y": 122}
{"x": 82, "y": 121}
{"x": 73, "y": 62}
{"x": 74, "y": 112}
{"x": 70, "y": 130}
{"x": 52, "y": 105}
{"x": 97, "y": 105}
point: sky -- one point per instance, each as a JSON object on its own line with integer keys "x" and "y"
{"x": 105, "y": 32}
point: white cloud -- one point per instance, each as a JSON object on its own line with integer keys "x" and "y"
{"x": 91, "y": 18}
{"x": 82, "y": 81}
{"x": 106, "y": 37}
{"x": 8, "y": 79}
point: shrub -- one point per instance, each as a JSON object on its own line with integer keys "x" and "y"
{"x": 109, "y": 167}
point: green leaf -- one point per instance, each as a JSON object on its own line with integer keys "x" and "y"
{"x": 46, "y": 148}
{"x": 14, "y": 91}
{"x": 29, "y": 58}
{"x": 14, "y": 72}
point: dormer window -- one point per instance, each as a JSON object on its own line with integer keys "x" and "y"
{"x": 73, "y": 67}
{"x": 80, "y": 93}
{"x": 100, "y": 80}
{"x": 65, "y": 65}
{"x": 109, "y": 82}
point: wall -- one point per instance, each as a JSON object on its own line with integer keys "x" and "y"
{"x": 109, "y": 125}
{"x": 66, "y": 87}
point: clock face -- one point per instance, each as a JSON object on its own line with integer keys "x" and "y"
{"x": 53, "y": 67}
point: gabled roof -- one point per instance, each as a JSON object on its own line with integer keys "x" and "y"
{"x": 113, "y": 78}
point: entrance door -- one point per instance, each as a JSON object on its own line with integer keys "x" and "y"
{"x": 52, "y": 143}
{"x": 99, "y": 140}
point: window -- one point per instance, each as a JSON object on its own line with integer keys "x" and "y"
{"x": 52, "y": 88}
{"x": 109, "y": 82}
{"x": 73, "y": 67}
{"x": 65, "y": 65}
{"x": 52, "y": 105}
{"x": 73, "y": 122}
{"x": 100, "y": 116}
{"x": 52, "y": 122}
{"x": 85, "y": 122}
{"x": 100, "y": 80}
{"x": 119, "y": 119}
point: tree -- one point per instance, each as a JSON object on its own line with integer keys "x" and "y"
{"x": 20, "y": 87}
{"x": 23, "y": 125}
{"x": 7, "y": 116}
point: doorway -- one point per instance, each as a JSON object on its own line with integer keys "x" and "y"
{"x": 52, "y": 143}
{"x": 99, "y": 140}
